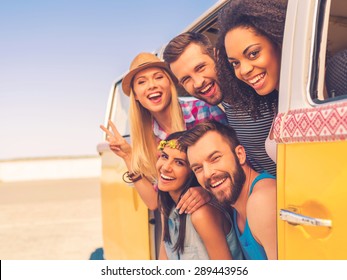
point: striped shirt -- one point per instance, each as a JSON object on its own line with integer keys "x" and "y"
{"x": 252, "y": 135}
{"x": 194, "y": 112}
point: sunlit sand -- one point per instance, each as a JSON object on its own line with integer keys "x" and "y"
{"x": 50, "y": 219}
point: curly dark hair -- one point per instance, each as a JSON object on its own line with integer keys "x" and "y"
{"x": 266, "y": 18}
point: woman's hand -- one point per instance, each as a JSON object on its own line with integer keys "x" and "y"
{"x": 194, "y": 198}
{"x": 117, "y": 143}
{"x": 122, "y": 148}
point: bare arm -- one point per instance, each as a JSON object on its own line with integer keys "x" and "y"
{"x": 261, "y": 214}
{"x": 147, "y": 193}
{"x": 122, "y": 149}
{"x": 209, "y": 223}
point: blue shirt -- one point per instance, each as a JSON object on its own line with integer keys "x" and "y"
{"x": 252, "y": 250}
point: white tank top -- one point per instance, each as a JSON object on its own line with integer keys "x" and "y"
{"x": 271, "y": 145}
{"x": 271, "y": 148}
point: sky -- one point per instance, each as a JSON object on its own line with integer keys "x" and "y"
{"x": 59, "y": 59}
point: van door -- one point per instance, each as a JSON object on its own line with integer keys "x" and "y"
{"x": 311, "y": 132}
{"x": 125, "y": 218}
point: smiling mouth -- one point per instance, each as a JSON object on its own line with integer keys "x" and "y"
{"x": 154, "y": 96}
{"x": 167, "y": 178}
{"x": 218, "y": 183}
{"x": 255, "y": 81}
{"x": 206, "y": 89}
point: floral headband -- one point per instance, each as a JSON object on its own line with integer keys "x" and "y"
{"x": 171, "y": 144}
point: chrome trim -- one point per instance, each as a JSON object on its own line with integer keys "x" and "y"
{"x": 298, "y": 219}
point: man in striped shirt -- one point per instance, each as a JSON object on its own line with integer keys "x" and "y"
{"x": 191, "y": 58}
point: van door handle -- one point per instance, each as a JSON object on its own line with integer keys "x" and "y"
{"x": 298, "y": 219}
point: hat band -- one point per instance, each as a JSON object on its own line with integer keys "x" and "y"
{"x": 145, "y": 63}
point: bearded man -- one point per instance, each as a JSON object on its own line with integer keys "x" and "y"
{"x": 219, "y": 163}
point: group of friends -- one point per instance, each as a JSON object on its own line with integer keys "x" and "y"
{"x": 209, "y": 164}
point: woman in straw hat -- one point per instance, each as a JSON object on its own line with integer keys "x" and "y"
{"x": 156, "y": 112}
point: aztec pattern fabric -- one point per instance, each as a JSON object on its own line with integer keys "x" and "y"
{"x": 321, "y": 123}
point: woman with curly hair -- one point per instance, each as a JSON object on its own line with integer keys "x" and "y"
{"x": 249, "y": 57}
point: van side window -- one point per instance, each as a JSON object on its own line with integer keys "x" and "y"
{"x": 336, "y": 74}
{"x": 329, "y": 67}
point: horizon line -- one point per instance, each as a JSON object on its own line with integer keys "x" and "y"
{"x": 49, "y": 158}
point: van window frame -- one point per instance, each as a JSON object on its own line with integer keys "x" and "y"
{"x": 316, "y": 52}
{"x": 318, "y": 59}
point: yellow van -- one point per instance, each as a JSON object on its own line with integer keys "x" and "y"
{"x": 310, "y": 129}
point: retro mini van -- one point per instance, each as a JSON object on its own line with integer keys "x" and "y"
{"x": 310, "y": 129}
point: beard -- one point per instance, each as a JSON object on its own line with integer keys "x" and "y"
{"x": 212, "y": 100}
{"x": 228, "y": 195}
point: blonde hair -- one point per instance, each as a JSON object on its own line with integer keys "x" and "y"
{"x": 144, "y": 151}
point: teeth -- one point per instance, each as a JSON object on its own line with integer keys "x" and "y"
{"x": 257, "y": 78}
{"x": 206, "y": 89}
{"x": 218, "y": 183}
{"x": 153, "y": 95}
{"x": 166, "y": 177}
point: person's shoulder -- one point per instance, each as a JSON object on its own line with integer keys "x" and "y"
{"x": 261, "y": 209}
{"x": 263, "y": 194}
{"x": 206, "y": 213}
{"x": 266, "y": 184}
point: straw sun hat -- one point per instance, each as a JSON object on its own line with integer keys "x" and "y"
{"x": 143, "y": 61}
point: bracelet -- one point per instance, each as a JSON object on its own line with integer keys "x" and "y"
{"x": 131, "y": 177}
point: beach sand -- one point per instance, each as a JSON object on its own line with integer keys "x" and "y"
{"x": 50, "y": 220}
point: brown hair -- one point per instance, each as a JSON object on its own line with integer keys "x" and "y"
{"x": 190, "y": 137}
{"x": 177, "y": 45}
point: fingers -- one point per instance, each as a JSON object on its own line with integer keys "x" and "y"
{"x": 194, "y": 198}
{"x": 115, "y": 148}
{"x": 190, "y": 204}
{"x": 114, "y": 129}
{"x": 114, "y": 144}
{"x": 116, "y": 141}
{"x": 114, "y": 138}
{"x": 195, "y": 207}
{"x": 108, "y": 133}
{"x": 182, "y": 205}
{"x": 187, "y": 202}
{"x": 204, "y": 195}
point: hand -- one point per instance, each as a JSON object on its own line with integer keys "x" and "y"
{"x": 194, "y": 198}
{"x": 117, "y": 143}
